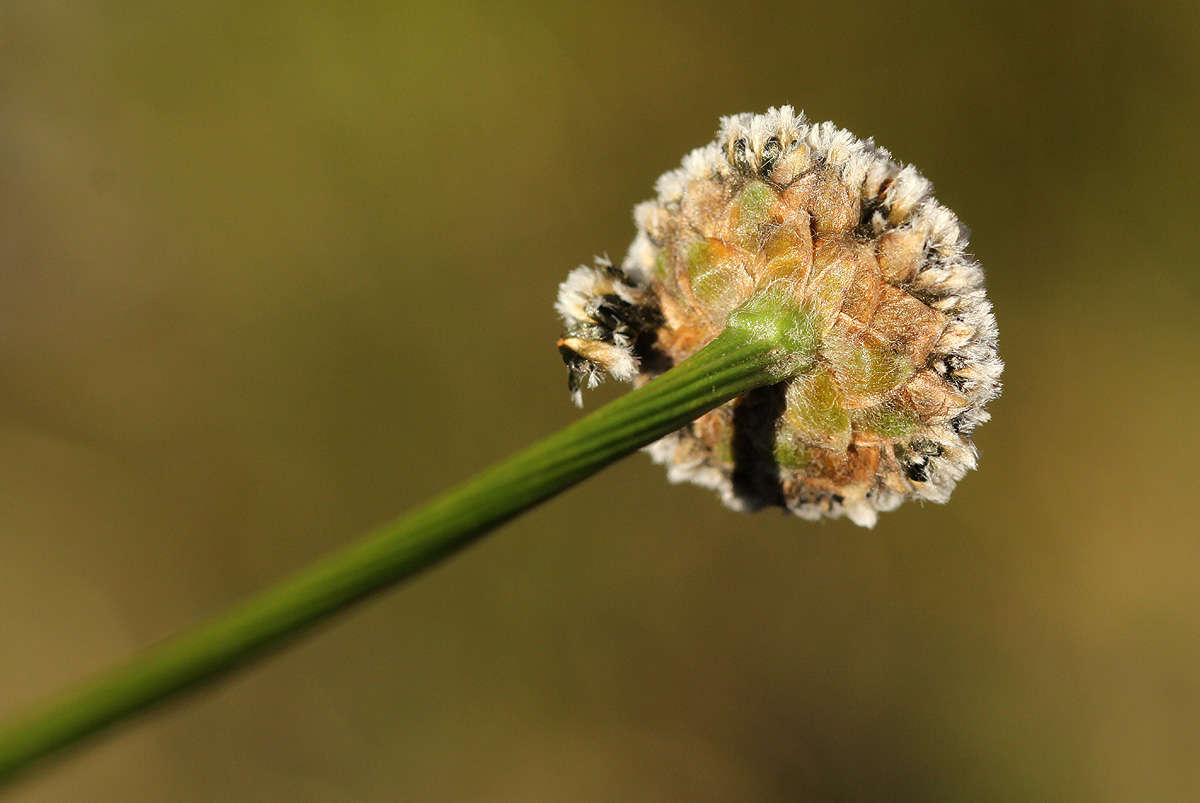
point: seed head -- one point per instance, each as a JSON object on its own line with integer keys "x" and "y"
{"x": 907, "y": 354}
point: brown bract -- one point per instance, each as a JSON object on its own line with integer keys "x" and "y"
{"x": 907, "y": 342}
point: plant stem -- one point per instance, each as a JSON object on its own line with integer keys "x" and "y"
{"x": 750, "y": 352}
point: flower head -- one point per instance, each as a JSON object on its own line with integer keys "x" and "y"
{"x": 905, "y": 341}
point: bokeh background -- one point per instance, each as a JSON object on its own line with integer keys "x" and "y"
{"x": 271, "y": 273}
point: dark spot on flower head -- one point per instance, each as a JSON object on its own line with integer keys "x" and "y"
{"x": 612, "y": 271}
{"x": 918, "y": 471}
{"x": 621, "y": 316}
{"x": 578, "y": 367}
{"x": 953, "y": 363}
{"x": 653, "y": 359}
{"x": 870, "y": 207}
{"x": 570, "y": 357}
{"x": 614, "y": 312}
{"x": 740, "y": 160}
{"x": 962, "y": 424}
{"x": 771, "y": 151}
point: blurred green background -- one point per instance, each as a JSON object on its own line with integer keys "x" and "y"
{"x": 272, "y": 273}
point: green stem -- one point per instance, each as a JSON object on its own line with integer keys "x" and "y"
{"x": 746, "y": 355}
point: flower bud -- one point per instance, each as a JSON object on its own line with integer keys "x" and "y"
{"x": 905, "y": 355}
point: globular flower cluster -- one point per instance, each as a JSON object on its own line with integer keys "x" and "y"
{"x": 906, "y": 357}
